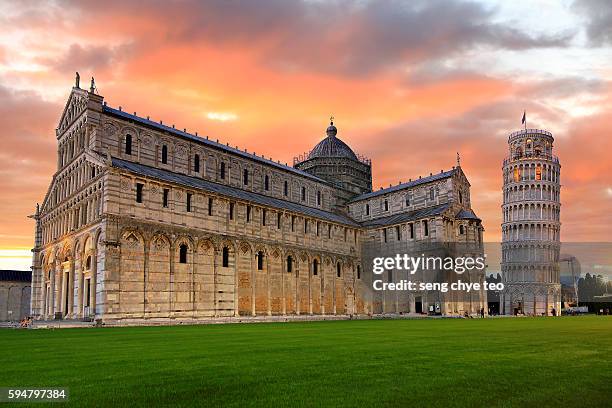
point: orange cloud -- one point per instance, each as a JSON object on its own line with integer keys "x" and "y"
{"x": 282, "y": 68}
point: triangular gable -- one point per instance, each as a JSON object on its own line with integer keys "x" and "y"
{"x": 76, "y": 104}
{"x": 90, "y": 157}
{"x": 461, "y": 175}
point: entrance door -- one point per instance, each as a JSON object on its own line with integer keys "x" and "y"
{"x": 86, "y": 300}
{"x": 418, "y": 305}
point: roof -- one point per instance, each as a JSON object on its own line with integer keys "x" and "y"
{"x": 210, "y": 143}
{"x": 229, "y": 191}
{"x": 402, "y": 186}
{"x": 407, "y": 216}
{"x": 15, "y": 276}
{"x": 467, "y": 215}
{"x": 331, "y": 146}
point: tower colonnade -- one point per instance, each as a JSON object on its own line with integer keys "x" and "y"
{"x": 531, "y": 225}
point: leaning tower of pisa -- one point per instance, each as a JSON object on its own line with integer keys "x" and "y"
{"x": 531, "y": 226}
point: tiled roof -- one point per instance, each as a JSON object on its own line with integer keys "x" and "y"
{"x": 406, "y": 216}
{"x": 210, "y": 143}
{"x": 15, "y": 276}
{"x": 402, "y": 186}
{"x": 229, "y": 191}
{"x": 467, "y": 215}
{"x": 331, "y": 146}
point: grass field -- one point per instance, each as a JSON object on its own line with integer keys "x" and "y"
{"x": 490, "y": 362}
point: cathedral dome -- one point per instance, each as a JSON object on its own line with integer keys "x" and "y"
{"x": 331, "y": 146}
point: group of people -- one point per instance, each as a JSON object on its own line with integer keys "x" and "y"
{"x": 25, "y": 322}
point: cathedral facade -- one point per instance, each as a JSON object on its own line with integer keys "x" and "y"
{"x": 145, "y": 221}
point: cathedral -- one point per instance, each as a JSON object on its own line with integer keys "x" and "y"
{"x": 146, "y": 222}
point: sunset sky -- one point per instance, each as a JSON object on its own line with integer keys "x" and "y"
{"x": 409, "y": 83}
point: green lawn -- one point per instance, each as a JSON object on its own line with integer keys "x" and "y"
{"x": 452, "y": 362}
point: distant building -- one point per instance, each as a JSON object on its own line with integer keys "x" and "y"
{"x": 15, "y": 290}
{"x": 569, "y": 273}
{"x": 531, "y": 225}
{"x": 493, "y": 296}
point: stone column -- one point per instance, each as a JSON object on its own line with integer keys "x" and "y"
{"x": 297, "y": 290}
{"x": 310, "y": 288}
{"x": 283, "y": 272}
{"x": 80, "y": 292}
{"x": 92, "y": 283}
{"x": 254, "y": 280}
{"x": 215, "y": 266}
{"x": 269, "y": 301}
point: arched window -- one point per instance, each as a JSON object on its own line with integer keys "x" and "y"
{"x": 338, "y": 270}
{"x": 164, "y": 157}
{"x": 367, "y": 209}
{"x": 222, "y": 171}
{"x": 407, "y": 200}
{"x": 386, "y": 205}
{"x": 289, "y": 264}
{"x": 358, "y": 272}
{"x": 538, "y": 172}
{"x": 196, "y": 163}
{"x": 88, "y": 263}
{"x": 460, "y": 198}
{"x": 266, "y": 183}
{"x": 461, "y": 230}
{"x": 318, "y": 198}
{"x": 128, "y": 144}
{"x": 245, "y": 177}
{"x": 225, "y": 257}
{"x": 286, "y": 189}
{"x": 260, "y": 259}
{"x": 303, "y": 193}
{"x": 183, "y": 253}
{"x": 518, "y": 153}
{"x": 315, "y": 267}
{"x": 432, "y": 193}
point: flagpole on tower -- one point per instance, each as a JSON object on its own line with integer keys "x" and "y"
{"x": 524, "y": 121}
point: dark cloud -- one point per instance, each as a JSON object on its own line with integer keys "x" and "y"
{"x": 432, "y": 72}
{"x": 598, "y": 14}
{"x": 90, "y": 58}
{"x": 569, "y": 86}
{"x": 22, "y": 137}
{"x": 355, "y": 38}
